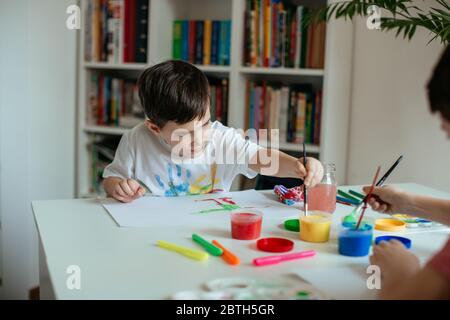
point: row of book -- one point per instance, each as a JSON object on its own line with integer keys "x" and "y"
{"x": 202, "y": 42}
{"x": 276, "y": 36}
{"x": 295, "y": 110}
{"x": 219, "y": 99}
{"x": 116, "y": 31}
{"x": 114, "y": 101}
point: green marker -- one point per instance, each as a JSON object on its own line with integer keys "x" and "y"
{"x": 212, "y": 249}
{"x": 346, "y": 195}
{"x": 357, "y": 194}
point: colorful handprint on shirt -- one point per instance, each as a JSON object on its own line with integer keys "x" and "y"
{"x": 180, "y": 185}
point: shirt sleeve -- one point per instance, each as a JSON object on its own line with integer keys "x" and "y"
{"x": 441, "y": 261}
{"x": 242, "y": 150}
{"x": 123, "y": 163}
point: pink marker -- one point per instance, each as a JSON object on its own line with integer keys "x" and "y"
{"x": 264, "y": 261}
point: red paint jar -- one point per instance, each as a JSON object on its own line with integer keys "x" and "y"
{"x": 246, "y": 224}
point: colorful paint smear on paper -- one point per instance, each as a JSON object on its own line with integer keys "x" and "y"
{"x": 180, "y": 184}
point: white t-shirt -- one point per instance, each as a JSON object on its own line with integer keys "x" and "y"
{"x": 143, "y": 156}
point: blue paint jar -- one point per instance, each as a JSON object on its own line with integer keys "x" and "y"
{"x": 355, "y": 243}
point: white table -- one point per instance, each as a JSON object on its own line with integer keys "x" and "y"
{"x": 125, "y": 263}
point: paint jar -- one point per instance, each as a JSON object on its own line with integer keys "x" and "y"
{"x": 315, "y": 227}
{"x": 355, "y": 243}
{"x": 246, "y": 224}
{"x": 322, "y": 197}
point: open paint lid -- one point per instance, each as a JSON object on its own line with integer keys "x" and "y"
{"x": 292, "y": 225}
{"x": 389, "y": 225}
{"x": 405, "y": 241}
{"x": 274, "y": 245}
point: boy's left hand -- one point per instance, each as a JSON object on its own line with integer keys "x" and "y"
{"x": 313, "y": 172}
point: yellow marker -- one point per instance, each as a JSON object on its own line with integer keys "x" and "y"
{"x": 188, "y": 252}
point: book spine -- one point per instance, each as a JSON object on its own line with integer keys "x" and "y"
{"x": 274, "y": 34}
{"x": 207, "y": 42}
{"x": 301, "y": 118}
{"x": 219, "y": 111}
{"x": 283, "y": 119}
{"x": 88, "y": 31}
{"x": 213, "y": 103}
{"x": 247, "y": 106}
{"x": 298, "y": 40}
{"x": 251, "y": 123}
{"x": 282, "y": 38}
{"x": 177, "y": 35}
{"x": 304, "y": 40}
{"x": 215, "y": 42}
{"x": 199, "y": 42}
{"x": 127, "y": 35}
{"x": 267, "y": 33}
{"x": 96, "y": 31}
{"x": 225, "y": 101}
{"x": 253, "y": 40}
{"x": 192, "y": 41}
{"x": 185, "y": 40}
{"x": 105, "y": 14}
{"x": 101, "y": 100}
{"x": 141, "y": 31}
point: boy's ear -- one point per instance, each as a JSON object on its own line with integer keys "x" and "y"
{"x": 152, "y": 127}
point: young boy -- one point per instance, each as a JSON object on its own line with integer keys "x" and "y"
{"x": 403, "y": 278}
{"x": 179, "y": 151}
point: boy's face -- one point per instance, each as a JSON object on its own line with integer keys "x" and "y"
{"x": 187, "y": 140}
{"x": 445, "y": 125}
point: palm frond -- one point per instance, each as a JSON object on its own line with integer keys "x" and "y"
{"x": 404, "y": 17}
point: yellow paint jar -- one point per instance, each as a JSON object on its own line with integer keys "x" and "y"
{"x": 315, "y": 227}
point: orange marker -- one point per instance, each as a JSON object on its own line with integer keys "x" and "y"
{"x": 227, "y": 255}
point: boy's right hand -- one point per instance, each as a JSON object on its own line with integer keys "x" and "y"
{"x": 127, "y": 190}
{"x": 389, "y": 200}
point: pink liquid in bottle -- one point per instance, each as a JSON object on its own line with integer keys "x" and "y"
{"x": 322, "y": 198}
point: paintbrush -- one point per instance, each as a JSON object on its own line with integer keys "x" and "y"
{"x": 367, "y": 197}
{"x": 380, "y": 182}
{"x": 305, "y": 193}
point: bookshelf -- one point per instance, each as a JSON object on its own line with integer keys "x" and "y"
{"x": 334, "y": 79}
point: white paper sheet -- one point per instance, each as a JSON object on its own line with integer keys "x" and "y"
{"x": 177, "y": 211}
{"x": 343, "y": 283}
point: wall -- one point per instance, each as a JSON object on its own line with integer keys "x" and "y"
{"x": 390, "y": 115}
{"x": 37, "y": 127}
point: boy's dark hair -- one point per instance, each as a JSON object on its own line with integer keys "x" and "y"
{"x": 439, "y": 86}
{"x": 173, "y": 91}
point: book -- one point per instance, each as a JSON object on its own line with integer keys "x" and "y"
{"x": 275, "y": 35}
{"x": 215, "y": 37}
{"x": 202, "y": 42}
{"x": 141, "y": 31}
{"x": 207, "y": 32}
{"x": 294, "y": 111}
{"x": 116, "y": 31}
{"x": 177, "y": 36}
{"x": 185, "y": 40}
{"x": 199, "y": 42}
{"x": 191, "y": 41}
{"x": 112, "y": 98}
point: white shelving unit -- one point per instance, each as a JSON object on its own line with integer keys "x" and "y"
{"x": 334, "y": 79}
